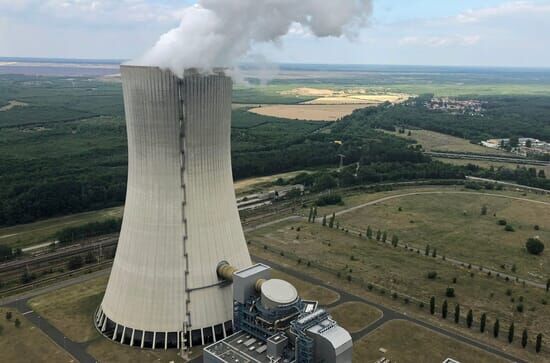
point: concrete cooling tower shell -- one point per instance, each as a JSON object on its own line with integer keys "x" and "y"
{"x": 180, "y": 218}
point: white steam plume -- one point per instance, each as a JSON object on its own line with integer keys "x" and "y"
{"x": 216, "y": 33}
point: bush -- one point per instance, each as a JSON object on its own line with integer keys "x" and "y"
{"x": 519, "y": 308}
{"x": 537, "y": 227}
{"x": 17, "y": 323}
{"x": 328, "y": 200}
{"x": 72, "y": 234}
{"x": 75, "y": 263}
{"x": 509, "y": 228}
{"x": 450, "y": 292}
{"x": 432, "y": 275}
{"x": 534, "y": 246}
{"x": 369, "y": 286}
{"x": 502, "y": 222}
{"x": 9, "y": 315}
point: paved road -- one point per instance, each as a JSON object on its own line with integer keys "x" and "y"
{"x": 389, "y": 314}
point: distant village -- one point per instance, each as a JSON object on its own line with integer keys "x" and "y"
{"x": 523, "y": 146}
{"x": 453, "y": 106}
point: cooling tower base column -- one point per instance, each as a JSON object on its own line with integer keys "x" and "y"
{"x": 159, "y": 340}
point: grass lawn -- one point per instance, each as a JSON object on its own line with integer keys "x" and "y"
{"x": 355, "y": 316}
{"x": 25, "y": 235}
{"x": 435, "y": 141}
{"x": 496, "y": 165}
{"x": 27, "y": 343}
{"x": 71, "y": 309}
{"x": 405, "y": 272}
{"x": 453, "y": 224}
{"x": 407, "y": 342}
{"x": 105, "y": 350}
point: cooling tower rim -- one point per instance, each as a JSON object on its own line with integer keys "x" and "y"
{"x": 216, "y": 71}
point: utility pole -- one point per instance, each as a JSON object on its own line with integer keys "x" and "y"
{"x": 342, "y": 157}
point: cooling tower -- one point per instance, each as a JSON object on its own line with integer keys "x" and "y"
{"x": 180, "y": 218}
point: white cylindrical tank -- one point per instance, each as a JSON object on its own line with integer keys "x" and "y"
{"x": 180, "y": 218}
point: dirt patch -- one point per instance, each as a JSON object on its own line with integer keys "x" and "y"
{"x": 13, "y": 104}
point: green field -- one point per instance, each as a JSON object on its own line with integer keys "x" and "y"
{"x": 27, "y": 343}
{"x": 406, "y": 342}
{"x": 396, "y": 269}
{"x": 355, "y": 316}
{"x": 452, "y": 223}
{"x": 435, "y": 141}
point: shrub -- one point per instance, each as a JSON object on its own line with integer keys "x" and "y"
{"x": 394, "y": 295}
{"x": 432, "y": 275}
{"x": 330, "y": 199}
{"x": 17, "y": 323}
{"x": 537, "y": 227}
{"x": 370, "y": 287}
{"x": 450, "y": 292}
{"x": 421, "y": 305}
{"x": 509, "y": 228}
{"x": 508, "y": 292}
{"x": 9, "y": 315}
{"x": 534, "y": 246}
{"x": 502, "y": 222}
{"x": 519, "y": 308}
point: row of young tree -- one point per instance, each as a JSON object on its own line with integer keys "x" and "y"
{"x": 483, "y": 324}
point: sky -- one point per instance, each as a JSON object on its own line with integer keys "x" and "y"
{"x": 405, "y": 32}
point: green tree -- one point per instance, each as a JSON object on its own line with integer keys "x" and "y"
{"x": 378, "y": 235}
{"x": 538, "y": 345}
{"x": 75, "y": 263}
{"x": 314, "y": 217}
{"x": 483, "y": 322}
{"x": 384, "y": 236}
{"x": 8, "y": 315}
{"x": 369, "y": 232}
{"x": 444, "y": 310}
{"x": 434, "y": 253}
{"x": 394, "y": 240}
{"x": 331, "y": 222}
{"x": 17, "y": 323}
{"x": 496, "y": 328}
{"x": 310, "y": 217}
{"x": 324, "y": 221}
{"x": 484, "y": 210}
{"x": 427, "y": 251}
{"x": 534, "y": 246}
{"x": 524, "y": 338}
{"x": 432, "y": 305}
{"x": 470, "y": 318}
{"x": 457, "y": 313}
{"x": 511, "y": 333}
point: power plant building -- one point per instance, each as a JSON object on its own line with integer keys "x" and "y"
{"x": 180, "y": 218}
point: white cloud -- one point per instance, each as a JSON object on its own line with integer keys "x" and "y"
{"x": 440, "y": 41}
{"x": 513, "y": 8}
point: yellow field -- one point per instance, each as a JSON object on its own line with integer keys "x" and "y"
{"x": 347, "y": 96}
{"x": 310, "y": 112}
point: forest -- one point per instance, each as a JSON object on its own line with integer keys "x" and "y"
{"x": 65, "y": 152}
